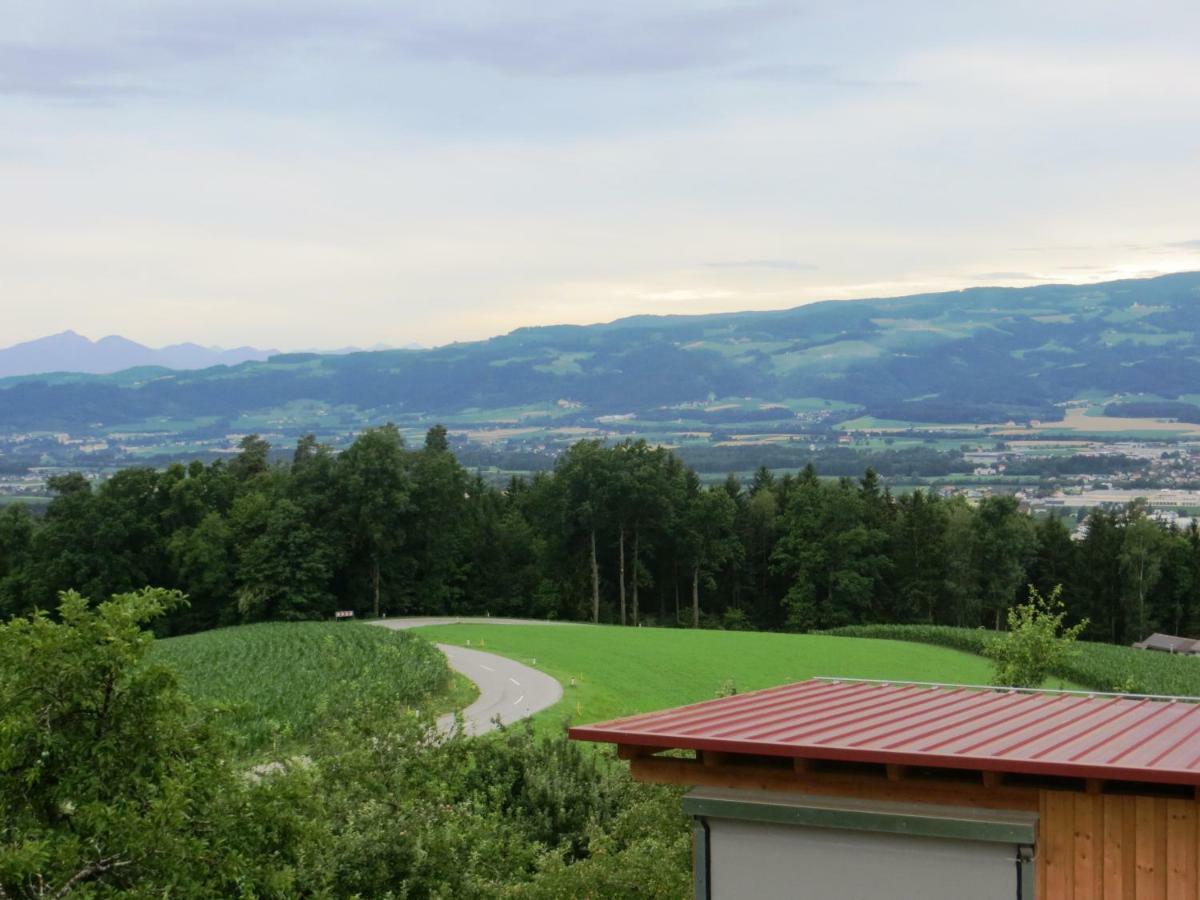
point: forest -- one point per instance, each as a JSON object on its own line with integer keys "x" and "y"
{"x": 624, "y": 534}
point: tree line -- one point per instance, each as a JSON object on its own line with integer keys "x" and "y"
{"x": 625, "y": 534}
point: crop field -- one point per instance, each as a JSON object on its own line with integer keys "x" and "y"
{"x": 620, "y": 671}
{"x": 273, "y": 682}
{"x": 1099, "y": 667}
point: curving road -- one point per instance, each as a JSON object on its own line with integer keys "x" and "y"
{"x": 508, "y": 691}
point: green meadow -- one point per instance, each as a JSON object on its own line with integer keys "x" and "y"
{"x": 620, "y": 671}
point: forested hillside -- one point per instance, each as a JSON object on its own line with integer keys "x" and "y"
{"x": 980, "y": 355}
{"x": 624, "y": 534}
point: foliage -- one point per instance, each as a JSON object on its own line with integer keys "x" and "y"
{"x": 1036, "y": 642}
{"x": 273, "y": 683}
{"x": 110, "y": 784}
{"x": 113, "y": 784}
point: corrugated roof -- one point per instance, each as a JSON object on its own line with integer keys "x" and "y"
{"x": 1073, "y": 734}
{"x": 1169, "y": 643}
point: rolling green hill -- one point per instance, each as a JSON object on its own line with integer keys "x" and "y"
{"x": 980, "y": 355}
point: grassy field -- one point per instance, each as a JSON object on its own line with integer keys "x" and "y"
{"x": 620, "y": 671}
{"x": 275, "y": 681}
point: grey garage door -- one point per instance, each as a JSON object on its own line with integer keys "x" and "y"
{"x": 826, "y": 849}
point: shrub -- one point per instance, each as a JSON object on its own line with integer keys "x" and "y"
{"x": 1036, "y": 642}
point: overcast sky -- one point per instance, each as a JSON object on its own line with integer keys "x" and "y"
{"x": 309, "y": 173}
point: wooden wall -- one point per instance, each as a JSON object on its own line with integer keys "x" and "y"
{"x": 1090, "y": 846}
{"x": 1107, "y": 847}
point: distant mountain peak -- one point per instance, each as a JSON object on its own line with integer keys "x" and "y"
{"x": 69, "y": 351}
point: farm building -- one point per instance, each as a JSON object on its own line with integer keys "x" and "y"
{"x": 1169, "y": 643}
{"x": 835, "y": 788}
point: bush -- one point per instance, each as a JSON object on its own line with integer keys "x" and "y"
{"x": 1036, "y": 642}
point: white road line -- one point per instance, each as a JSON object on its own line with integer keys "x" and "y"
{"x": 489, "y": 668}
{"x": 514, "y": 681}
{"x": 518, "y": 700}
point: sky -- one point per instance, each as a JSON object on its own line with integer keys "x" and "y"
{"x": 317, "y": 173}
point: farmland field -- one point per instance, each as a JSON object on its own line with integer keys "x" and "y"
{"x": 1099, "y": 667}
{"x": 620, "y": 671}
{"x": 275, "y": 681}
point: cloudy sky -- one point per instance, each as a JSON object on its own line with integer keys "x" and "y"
{"x": 309, "y": 173}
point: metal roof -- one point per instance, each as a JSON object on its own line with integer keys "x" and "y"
{"x": 1169, "y": 643}
{"x": 1058, "y": 733}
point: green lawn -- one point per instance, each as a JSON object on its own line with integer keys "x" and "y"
{"x": 620, "y": 671}
{"x": 276, "y": 681}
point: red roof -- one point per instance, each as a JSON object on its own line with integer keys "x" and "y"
{"x": 1061, "y": 733}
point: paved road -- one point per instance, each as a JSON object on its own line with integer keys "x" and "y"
{"x": 507, "y": 689}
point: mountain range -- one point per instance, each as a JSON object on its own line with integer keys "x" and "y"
{"x": 977, "y": 355}
{"x": 68, "y": 351}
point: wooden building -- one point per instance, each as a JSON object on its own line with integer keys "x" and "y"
{"x": 858, "y": 789}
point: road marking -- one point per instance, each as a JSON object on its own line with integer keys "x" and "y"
{"x": 514, "y": 681}
{"x": 518, "y": 700}
{"x": 489, "y": 668}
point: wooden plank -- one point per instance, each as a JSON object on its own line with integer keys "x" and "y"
{"x": 671, "y": 770}
{"x": 1039, "y": 860}
{"x": 896, "y": 773}
{"x": 1058, "y": 845}
{"x": 1181, "y": 850}
{"x": 1088, "y": 832}
{"x": 1129, "y": 838}
{"x": 1113, "y": 851}
{"x": 714, "y": 757}
{"x": 993, "y": 779}
{"x": 1149, "y": 880}
{"x": 1160, "y": 847}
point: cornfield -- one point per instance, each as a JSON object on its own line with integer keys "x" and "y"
{"x": 273, "y": 683}
{"x": 1100, "y": 667}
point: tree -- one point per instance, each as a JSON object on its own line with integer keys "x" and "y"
{"x": 1036, "y": 643}
{"x": 1003, "y": 546}
{"x": 833, "y": 553}
{"x": 581, "y": 474}
{"x": 376, "y": 487}
{"x": 251, "y": 459}
{"x": 1054, "y": 562}
{"x": 283, "y": 565}
{"x": 438, "y": 533}
{"x": 203, "y": 563}
{"x": 918, "y": 549}
{"x": 708, "y": 526}
{"x": 110, "y": 782}
{"x": 639, "y": 500}
{"x": 16, "y": 545}
{"x": 1098, "y": 577}
{"x": 1141, "y": 563}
